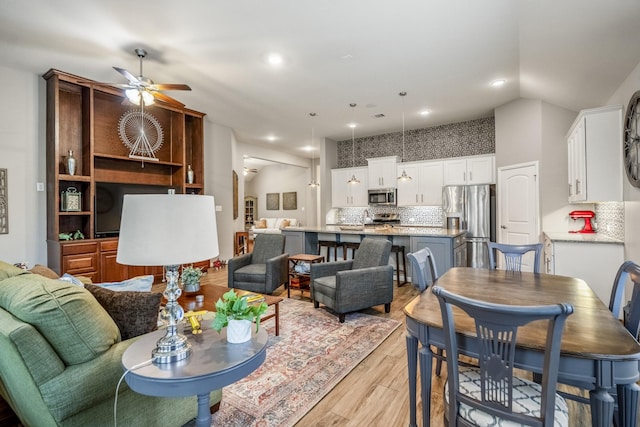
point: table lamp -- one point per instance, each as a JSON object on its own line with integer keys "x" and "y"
{"x": 168, "y": 230}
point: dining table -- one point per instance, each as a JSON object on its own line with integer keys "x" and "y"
{"x": 597, "y": 353}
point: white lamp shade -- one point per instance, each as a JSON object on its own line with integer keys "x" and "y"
{"x": 167, "y": 229}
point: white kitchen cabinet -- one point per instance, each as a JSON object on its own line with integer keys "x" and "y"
{"x": 425, "y": 186}
{"x": 594, "y": 144}
{"x": 344, "y": 194}
{"x": 382, "y": 172}
{"x": 470, "y": 170}
{"x": 592, "y": 258}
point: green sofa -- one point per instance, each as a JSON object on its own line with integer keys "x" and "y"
{"x": 60, "y": 359}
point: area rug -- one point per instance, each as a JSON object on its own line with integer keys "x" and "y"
{"x": 312, "y": 354}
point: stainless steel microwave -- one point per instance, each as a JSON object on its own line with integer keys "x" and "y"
{"x": 383, "y": 197}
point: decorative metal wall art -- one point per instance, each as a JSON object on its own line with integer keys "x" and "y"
{"x": 290, "y": 201}
{"x": 4, "y": 203}
{"x": 141, "y": 133}
{"x": 273, "y": 201}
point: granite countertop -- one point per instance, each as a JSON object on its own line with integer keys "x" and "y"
{"x": 558, "y": 236}
{"x": 396, "y": 230}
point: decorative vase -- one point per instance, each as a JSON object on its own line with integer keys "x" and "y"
{"x": 190, "y": 175}
{"x": 191, "y": 286}
{"x": 238, "y": 331}
{"x": 71, "y": 163}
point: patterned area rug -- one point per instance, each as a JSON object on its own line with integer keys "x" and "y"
{"x": 312, "y": 354}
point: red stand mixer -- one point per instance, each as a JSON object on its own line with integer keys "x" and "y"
{"x": 587, "y": 216}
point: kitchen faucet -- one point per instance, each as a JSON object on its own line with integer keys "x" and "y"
{"x": 365, "y": 215}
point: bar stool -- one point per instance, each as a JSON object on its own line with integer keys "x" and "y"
{"x": 241, "y": 243}
{"x": 350, "y": 245}
{"x": 397, "y": 249}
{"x": 330, "y": 244}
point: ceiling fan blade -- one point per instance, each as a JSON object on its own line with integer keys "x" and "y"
{"x": 128, "y": 75}
{"x": 166, "y": 98}
{"x": 161, "y": 86}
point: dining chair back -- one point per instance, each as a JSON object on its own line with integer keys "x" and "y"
{"x": 490, "y": 394}
{"x": 513, "y": 255}
{"x": 628, "y": 272}
{"x": 423, "y": 263}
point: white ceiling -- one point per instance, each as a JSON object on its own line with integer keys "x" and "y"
{"x": 572, "y": 53}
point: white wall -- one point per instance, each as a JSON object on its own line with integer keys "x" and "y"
{"x": 529, "y": 130}
{"x": 22, "y": 153}
{"x": 631, "y": 194}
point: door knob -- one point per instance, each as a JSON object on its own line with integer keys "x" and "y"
{"x": 503, "y": 227}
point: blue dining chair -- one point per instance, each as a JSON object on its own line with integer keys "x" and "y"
{"x": 490, "y": 394}
{"x": 422, "y": 262}
{"x": 628, "y": 271}
{"x": 513, "y": 255}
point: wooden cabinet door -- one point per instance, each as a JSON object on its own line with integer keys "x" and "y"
{"x": 340, "y": 192}
{"x": 359, "y": 193}
{"x": 455, "y": 172}
{"x": 110, "y": 270}
{"x": 480, "y": 170}
{"x": 431, "y": 181}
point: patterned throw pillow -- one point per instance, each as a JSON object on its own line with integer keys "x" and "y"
{"x": 135, "y": 313}
{"x": 261, "y": 223}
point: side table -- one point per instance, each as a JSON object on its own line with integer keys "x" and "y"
{"x": 213, "y": 364}
{"x": 295, "y": 260}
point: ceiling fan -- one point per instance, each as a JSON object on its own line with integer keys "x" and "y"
{"x": 143, "y": 89}
{"x": 247, "y": 171}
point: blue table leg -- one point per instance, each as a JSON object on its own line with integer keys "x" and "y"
{"x": 602, "y": 407}
{"x": 628, "y": 395}
{"x": 203, "y": 419}
{"x": 425, "y": 380}
{"x": 412, "y": 359}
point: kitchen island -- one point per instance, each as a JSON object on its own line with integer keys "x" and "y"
{"x": 448, "y": 246}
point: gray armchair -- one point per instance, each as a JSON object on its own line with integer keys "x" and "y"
{"x": 352, "y": 285}
{"x": 264, "y": 269}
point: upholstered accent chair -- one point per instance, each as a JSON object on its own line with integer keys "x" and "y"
{"x": 490, "y": 394}
{"x": 264, "y": 269}
{"x": 351, "y": 285}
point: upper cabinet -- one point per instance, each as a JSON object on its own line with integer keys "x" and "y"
{"x": 594, "y": 144}
{"x": 345, "y": 194}
{"x": 470, "y": 170}
{"x": 382, "y": 172}
{"x": 425, "y": 186}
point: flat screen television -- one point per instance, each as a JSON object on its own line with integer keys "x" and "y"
{"x": 108, "y": 207}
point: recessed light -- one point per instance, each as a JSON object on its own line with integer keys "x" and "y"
{"x": 498, "y": 83}
{"x": 425, "y": 112}
{"x": 275, "y": 59}
{"x": 271, "y": 138}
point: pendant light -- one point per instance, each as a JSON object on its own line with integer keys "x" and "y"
{"x": 353, "y": 179}
{"x": 313, "y": 183}
{"x": 404, "y": 176}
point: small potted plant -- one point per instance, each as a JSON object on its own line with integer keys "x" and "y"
{"x": 236, "y": 313}
{"x": 191, "y": 278}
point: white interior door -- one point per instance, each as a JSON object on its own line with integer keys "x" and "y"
{"x": 518, "y": 221}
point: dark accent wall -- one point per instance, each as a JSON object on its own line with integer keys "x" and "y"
{"x": 468, "y": 138}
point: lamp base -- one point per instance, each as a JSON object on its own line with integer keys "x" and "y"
{"x": 171, "y": 349}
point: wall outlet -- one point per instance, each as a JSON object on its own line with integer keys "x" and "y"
{"x": 39, "y": 186}
{"x": 218, "y": 208}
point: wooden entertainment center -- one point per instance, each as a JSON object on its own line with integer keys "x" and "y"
{"x": 84, "y": 118}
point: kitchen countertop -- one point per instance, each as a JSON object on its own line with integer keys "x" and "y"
{"x": 558, "y": 236}
{"x": 396, "y": 230}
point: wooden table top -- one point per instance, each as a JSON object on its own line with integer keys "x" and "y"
{"x": 591, "y": 331}
{"x": 211, "y": 295}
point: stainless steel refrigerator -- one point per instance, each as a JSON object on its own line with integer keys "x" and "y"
{"x": 474, "y": 205}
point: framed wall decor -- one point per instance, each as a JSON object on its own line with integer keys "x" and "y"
{"x": 273, "y": 201}
{"x": 4, "y": 207}
{"x": 290, "y": 201}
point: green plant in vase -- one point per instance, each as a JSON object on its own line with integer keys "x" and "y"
{"x": 232, "y": 307}
{"x": 191, "y": 278}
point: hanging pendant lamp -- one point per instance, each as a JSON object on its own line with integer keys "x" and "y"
{"x": 353, "y": 179}
{"x": 313, "y": 183}
{"x": 403, "y": 176}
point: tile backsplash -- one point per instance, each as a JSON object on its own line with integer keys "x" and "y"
{"x": 610, "y": 219}
{"x": 431, "y": 216}
{"x": 473, "y": 137}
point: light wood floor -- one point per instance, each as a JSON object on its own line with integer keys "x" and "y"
{"x": 376, "y": 392}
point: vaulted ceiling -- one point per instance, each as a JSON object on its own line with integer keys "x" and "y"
{"x": 444, "y": 54}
